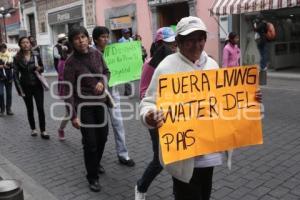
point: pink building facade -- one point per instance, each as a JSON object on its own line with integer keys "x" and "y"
{"x": 144, "y": 17}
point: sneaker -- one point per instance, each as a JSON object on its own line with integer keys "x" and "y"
{"x": 34, "y": 133}
{"x": 61, "y": 134}
{"x": 1, "y": 114}
{"x": 128, "y": 162}
{"x": 264, "y": 69}
{"x": 45, "y": 135}
{"x": 139, "y": 195}
{"x": 94, "y": 186}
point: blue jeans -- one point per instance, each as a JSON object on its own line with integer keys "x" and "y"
{"x": 118, "y": 126}
{"x": 263, "y": 51}
{"x": 8, "y": 89}
{"x": 154, "y": 167}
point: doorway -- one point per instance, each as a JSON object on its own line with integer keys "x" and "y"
{"x": 169, "y": 15}
{"x": 117, "y": 34}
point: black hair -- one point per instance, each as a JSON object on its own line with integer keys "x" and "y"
{"x": 154, "y": 47}
{"x": 160, "y": 54}
{"x": 98, "y": 31}
{"x": 3, "y": 46}
{"x": 30, "y": 36}
{"x": 231, "y": 36}
{"x": 19, "y": 54}
{"x": 20, "y": 40}
{"x": 76, "y": 30}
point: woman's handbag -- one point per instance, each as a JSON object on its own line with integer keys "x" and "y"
{"x": 41, "y": 77}
{"x": 42, "y": 80}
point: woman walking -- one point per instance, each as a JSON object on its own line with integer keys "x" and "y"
{"x": 66, "y": 52}
{"x": 6, "y": 78}
{"x": 164, "y": 45}
{"x": 26, "y": 64}
{"x": 87, "y": 103}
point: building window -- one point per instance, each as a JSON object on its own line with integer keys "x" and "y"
{"x": 31, "y": 21}
{"x": 43, "y": 27}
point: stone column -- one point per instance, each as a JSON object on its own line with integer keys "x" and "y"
{"x": 154, "y": 19}
{"x": 192, "y": 7}
{"x": 22, "y": 31}
{"x": 90, "y": 16}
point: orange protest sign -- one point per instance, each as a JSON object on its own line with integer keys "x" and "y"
{"x": 208, "y": 111}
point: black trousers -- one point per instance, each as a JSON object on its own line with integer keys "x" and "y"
{"x": 154, "y": 167}
{"x": 35, "y": 92}
{"x": 93, "y": 138}
{"x": 199, "y": 187}
{"x": 128, "y": 89}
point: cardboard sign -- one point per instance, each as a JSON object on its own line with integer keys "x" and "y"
{"x": 124, "y": 61}
{"x": 208, "y": 111}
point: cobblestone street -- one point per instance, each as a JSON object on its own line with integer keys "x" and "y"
{"x": 267, "y": 172}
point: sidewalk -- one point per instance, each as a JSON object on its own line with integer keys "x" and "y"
{"x": 290, "y": 73}
{"x": 31, "y": 189}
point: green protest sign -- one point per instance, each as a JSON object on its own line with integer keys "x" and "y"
{"x": 173, "y": 27}
{"x": 124, "y": 61}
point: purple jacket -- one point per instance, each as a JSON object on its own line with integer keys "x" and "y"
{"x": 79, "y": 64}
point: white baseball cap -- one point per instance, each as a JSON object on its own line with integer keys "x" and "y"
{"x": 61, "y": 36}
{"x": 190, "y": 24}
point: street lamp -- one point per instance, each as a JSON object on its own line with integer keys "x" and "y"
{"x": 4, "y": 13}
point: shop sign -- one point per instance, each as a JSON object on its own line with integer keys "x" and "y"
{"x": 120, "y": 23}
{"x": 65, "y": 15}
{"x": 13, "y": 29}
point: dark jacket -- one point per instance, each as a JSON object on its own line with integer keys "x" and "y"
{"x": 60, "y": 52}
{"x": 24, "y": 71}
{"x": 84, "y": 64}
{"x": 261, "y": 29}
